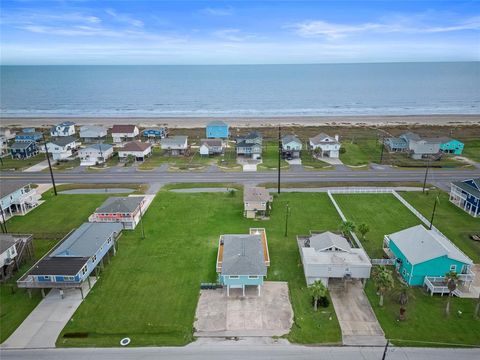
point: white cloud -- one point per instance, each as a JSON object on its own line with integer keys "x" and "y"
{"x": 217, "y": 11}
{"x": 124, "y": 18}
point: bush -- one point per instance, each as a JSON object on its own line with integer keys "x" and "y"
{"x": 322, "y": 302}
{"x": 343, "y": 150}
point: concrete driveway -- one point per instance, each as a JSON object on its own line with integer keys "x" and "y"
{"x": 270, "y": 314}
{"x": 43, "y": 326}
{"x": 355, "y": 315}
{"x": 37, "y": 167}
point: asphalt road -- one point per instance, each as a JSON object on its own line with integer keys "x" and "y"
{"x": 251, "y": 352}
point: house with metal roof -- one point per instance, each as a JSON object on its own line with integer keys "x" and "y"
{"x": 91, "y": 133}
{"x": 63, "y": 147}
{"x": 451, "y": 146}
{"x": 212, "y": 147}
{"x": 326, "y": 145}
{"x": 95, "y": 154}
{"x": 126, "y": 210}
{"x": 175, "y": 145}
{"x": 242, "y": 260}
{"x": 74, "y": 258}
{"x": 257, "y": 202}
{"x": 66, "y": 128}
{"x": 250, "y": 145}
{"x": 217, "y": 130}
{"x": 328, "y": 256}
{"x": 23, "y": 149}
{"x": 136, "y": 149}
{"x": 396, "y": 144}
{"x": 28, "y": 136}
{"x": 466, "y": 195}
{"x": 422, "y": 255}
{"x": 155, "y": 133}
{"x": 291, "y": 147}
{"x": 121, "y": 133}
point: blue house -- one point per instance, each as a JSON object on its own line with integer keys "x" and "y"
{"x": 451, "y": 146}
{"x": 466, "y": 195}
{"x": 28, "y": 136}
{"x": 217, "y": 130}
{"x": 23, "y": 149}
{"x": 242, "y": 260}
{"x": 72, "y": 261}
{"x": 157, "y": 133}
{"x": 422, "y": 254}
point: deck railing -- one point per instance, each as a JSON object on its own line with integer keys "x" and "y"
{"x": 31, "y": 284}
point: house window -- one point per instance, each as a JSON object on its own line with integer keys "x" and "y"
{"x": 46, "y": 277}
{"x": 94, "y": 258}
{"x": 404, "y": 272}
{"x": 253, "y": 277}
{"x": 453, "y": 268}
{"x": 69, "y": 278}
{"x": 84, "y": 270}
{"x": 233, "y": 277}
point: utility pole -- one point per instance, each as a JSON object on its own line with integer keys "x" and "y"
{"x": 381, "y": 154}
{"x": 49, "y": 165}
{"x": 426, "y": 174}
{"x": 287, "y": 213}
{"x": 101, "y": 153}
{"x": 279, "y": 155}
{"x": 433, "y": 212}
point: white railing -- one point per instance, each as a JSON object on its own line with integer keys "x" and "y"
{"x": 361, "y": 190}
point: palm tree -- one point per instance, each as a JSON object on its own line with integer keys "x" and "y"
{"x": 317, "y": 290}
{"x": 383, "y": 280}
{"x": 363, "y": 229}
{"x": 451, "y": 278}
{"x": 404, "y": 294}
{"x": 347, "y": 227}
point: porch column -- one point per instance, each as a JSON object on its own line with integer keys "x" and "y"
{"x": 259, "y": 287}
{"x": 243, "y": 290}
{"x": 89, "y": 284}
{"x": 81, "y": 291}
{"x": 228, "y": 290}
{"x": 43, "y": 292}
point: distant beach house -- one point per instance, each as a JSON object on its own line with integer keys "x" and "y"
{"x": 28, "y": 136}
{"x": 175, "y": 145}
{"x": 257, "y": 202}
{"x": 23, "y": 150}
{"x": 466, "y": 195}
{"x": 72, "y": 260}
{"x": 157, "y": 133}
{"x": 451, "y": 146}
{"x": 291, "y": 147}
{"x": 125, "y": 210}
{"x": 121, "y": 133}
{"x": 95, "y": 154}
{"x": 217, "y": 129}
{"x": 421, "y": 254}
{"x": 242, "y": 260}
{"x": 137, "y": 149}
{"x": 3, "y": 145}
{"x": 66, "y": 128}
{"x": 328, "y": 256}
{"x": 211, "y": 147}
{"x": 63, "y": 147}
{"x": 396, "y": 144}
{"x": 17, "y": 199}
{"x": 250, "y": 145}
{"x": 7, "y": 133}
{"x": 91, "y": 133}
{"x": 419, "y": 147}
{"x": 326, "y": 145}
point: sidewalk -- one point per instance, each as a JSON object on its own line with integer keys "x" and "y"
{"x": 37, "y": 167}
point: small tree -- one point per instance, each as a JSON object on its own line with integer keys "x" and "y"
{"x": 451, "y": 278}
{"x": 363, "y": 229}
{"x": 404, "y": 294}
{"x": 317, "y": 290}
{"x": 383, "y": 280}
{"x": 347, "y": 227}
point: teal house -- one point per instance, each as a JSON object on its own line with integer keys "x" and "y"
{"x": 217, "y": 130}
{"x": 242, "y": 260}
{"x": 421, "y": 254}
{"x": 451, "y": 146}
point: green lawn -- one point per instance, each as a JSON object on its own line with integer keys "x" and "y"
{"x": 452, "y": 221}
{"x": 15, "y": 305}
{"x": 158, "y": 157}
{"x": 382, "y": 212}
{"x": 310, "y": 162}
{"x": 270, "y": 157}
{"x": 65, "y": 165}
{"x": 360, "y": 152}
{"x": 15, "y": 164}
{"x": 149, "y": 292}
{"x": 229, "y": 160}
{"x": 472, "y": 150}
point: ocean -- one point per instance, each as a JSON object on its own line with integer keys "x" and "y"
{"x": 241, "y": 90}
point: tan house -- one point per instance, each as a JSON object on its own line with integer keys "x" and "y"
{"x": 256, "y": 202}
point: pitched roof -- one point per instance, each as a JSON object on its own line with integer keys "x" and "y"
{"x": 136, "y": 146}
{"x": 22, "y": 144}
{"x": 473, "y": 190}
{"x": 211, "y": 142}
{"x": 126, "y": 204}
{"x": 250, "y": 136}
{"x": 243, "y": 255}
{"x": 396, "y": 141}
{"x": 97, "y": 147}
{"x": 62, "y": 140}
{"x": 255, "y": 193}
{"x": 68, "y": 266}
{"x": 217, "y": 123}
{"x": 174, "y": 140}
{"x": 86, "y": 240}
{"x": 320, "y": 139}
{"x": 123, "y": 128}
{"x": 419, "y": 245}
{"x": 8, "y": 187}
{"x": 410, "y": 136}
{"x": 290, "y": 138}
{"x": 30, "y": 134}
{"x": 92, "y": 129}
{"x": 328, "y": 240}
{"x": 6, "y": 242}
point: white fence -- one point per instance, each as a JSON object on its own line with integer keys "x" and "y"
{"x": 361, "y": 190}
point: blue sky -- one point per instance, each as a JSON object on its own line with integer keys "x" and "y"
{"x": 237, "y": 32}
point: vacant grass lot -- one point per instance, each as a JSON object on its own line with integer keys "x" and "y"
{"x": 361, "y": 152}
{"x": 270, "y": 157}
{"x": 382, "y": 212}
{"x": 15, "y": 164}
{"x": 159, "y": 157}
{"x": 452, "y": 221}
{"x": 472, "y": 150}
{"x": 150, "y": 290}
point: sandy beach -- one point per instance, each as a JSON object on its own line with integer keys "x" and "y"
{"x": 195, "y": 122}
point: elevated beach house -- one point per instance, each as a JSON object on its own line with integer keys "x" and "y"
{"x": 7, "y": 133}
{"x": 211, "y": 147}
{"x": 242, "y": 260}
{"x": 126, "y": 210}
{"x": 217, "y": 130}
{"x": 423, "y": 257}
{"x": 451, "y": 146}
{"x": 291, "y": 147}
{"x": 257, "y": 202}
{"x": 250, "y": 145}
{"x": 73, "y": 259}
{"x": 23, "y": 149}
{"x": 325, "y": 145}
{"x": 328, "y": 256}
{"x": 14, "y": 250}
{"x": 175, "y": 145}
{"x": 121, "y": 133}
{"x": 90, "y": 133}
{"x": 17, "y": 199}
{"x": 136, "y": 149}
{"x": 419, "y": 147}
{"x": 466, "y": 195}
{"x": 95, "y": 154}
{"x": 155, "y": 134}
{"x": 28, "y": 135}
{"x": 63, "y": 147}
{"x": 66, "y": 128}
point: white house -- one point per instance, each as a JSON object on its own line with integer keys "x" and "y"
{"x": 66, "y": 128}
{"x": 329, "y": 147}
{"x": 328, "y": 256}
{"x": 175, "y": 145}
{"x": 90, "y": 133}
{"x": 17, "y": 199}
{"x": 121, "y": 133}
{"x": 62, "y": 147}
{"x": 7, "y": 133}
{"x": 3, "y": 145}
{"x": 8, "y": 249}
{"x": 95, "y": 154}
{"x": 139, "y": 150}
{"x": 211, "y": 146}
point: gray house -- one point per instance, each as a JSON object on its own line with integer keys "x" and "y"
{"x": 92, "y": 133}
{"x": 125, "y": 210}
{"x": 175, "y": 145}
{"x": 291, "y": 147}
{"x": 416, "y": 146}
{"x": 211, "y": 146}
{"x": 250, "y": 145}
{"x": 257, "y": 202}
